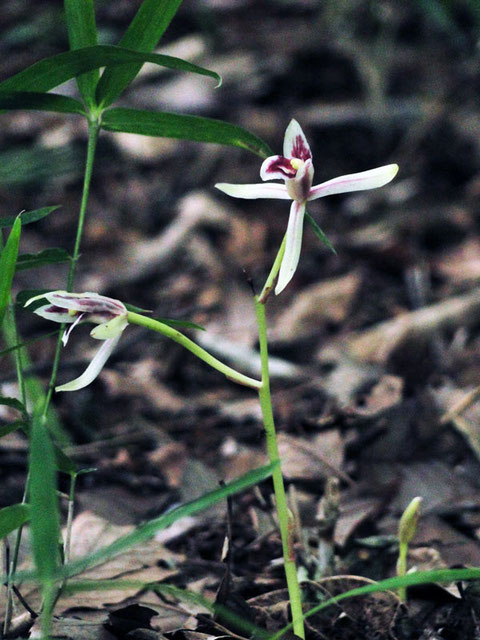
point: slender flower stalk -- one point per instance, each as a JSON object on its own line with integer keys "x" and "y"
{"x": 284, "y": 521}
{"x": 295, "y": 168}
{"x": 190, "y": 345}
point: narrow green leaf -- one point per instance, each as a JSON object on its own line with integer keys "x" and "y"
{"x": 185, "y": 324}
{"x": 47, "y": 256}
{"x": 10, "y": 428}
{"x": 185, "y": 127}
{"x": 221, "y": 612}
{"x": 45, "y": 522}
{"x": 143, "y": 34}
{"x": 319, "y": 233}
{"x": 8, "y": 260}
{"x": 31, "y": 100}
{"x": 33, "y": 165}
{"x": 63, "y": 462}
{"x": 25, "y": 295}
{"x": 150, "y": 528}
{"x": 13, "y": 517}
{"x": 391, "y": 584}
{"x": 51, "y": 72}
{"x": 20, "y": 345}
{"x": 82, "y": 32}
{"x": 13, "y": 403}
{"x": 27, "y": 217}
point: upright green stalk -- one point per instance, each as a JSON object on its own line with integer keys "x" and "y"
{"x": 93, "y": 130}
{"x": 284, "y": 517}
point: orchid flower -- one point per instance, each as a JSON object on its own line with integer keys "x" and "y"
{"x": 74, "y": 308}
{"x": 295, "y": 167}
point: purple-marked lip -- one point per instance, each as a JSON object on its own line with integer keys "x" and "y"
{"x": 283, "y": 165}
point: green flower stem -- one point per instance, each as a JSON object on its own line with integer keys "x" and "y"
{"x": 402, "y": 568}
{"x": 93, "y": 131}
{"x": 262, "y": 298}
{"x": 284, "y": 519}
{"x": 176, "y": 336}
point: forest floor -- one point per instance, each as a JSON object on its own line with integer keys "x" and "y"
{"x": 375, "y": 350}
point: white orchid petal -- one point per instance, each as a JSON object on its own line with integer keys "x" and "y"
{"x": 292, "y": 246}
{"x": 109, "y": 329}
{"x": 295, "y": 144}
{"x": 88, "y": 302}
{"x": 93, "y": 369}
{"x": 355, "y": 182}
{"x": 253, "y": 191}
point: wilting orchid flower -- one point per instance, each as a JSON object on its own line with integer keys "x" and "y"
{"x": 110, "y": 315}
{"x": 296, "y": 169}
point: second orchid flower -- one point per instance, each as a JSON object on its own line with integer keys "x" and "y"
{"x": 74, "y": 308}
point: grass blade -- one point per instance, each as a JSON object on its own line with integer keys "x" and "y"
{"x": 36, "y": 101}
{"x": 45, "y": 521}
{"x": 8, "y": 260}
{"x": 143, "y": 34}
{"x": 47, "y": 256}
{"x": 48, "y": 73}
{"x": 151, "y": 527}
{"x": 319, "y": 233}
{"x": 392, "y": 584}
{"x": 28, "y": 216}
{"x": 13, "y": 517}
{"x": 185, "y": 127}
{"x": 82, "y": 32}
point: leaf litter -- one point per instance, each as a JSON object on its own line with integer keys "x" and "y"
{"x": 370, "y": 408}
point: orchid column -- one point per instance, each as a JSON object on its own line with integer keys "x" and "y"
{"x": 295, "y": 168}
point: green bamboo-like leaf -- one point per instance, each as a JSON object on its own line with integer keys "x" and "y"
{"x": 47, "y": 256}
{"x": 13, "y": 517}
{"x": 222, "y": 613}
{"x": 147, "y": 530}
{"x": 27, "y": 217}
{"x": 143, "y": 34}
{"x": 63, "y": 462}
{"x": 45, "y": 521}
{"x": 24, "y": 296}
{"x": 10, "y": 428}
{"x": 20, "y": 345}
{"x": 185, "y": 127}
{"x": 13, "y": 403}
{"x": 185, "y": 324}
{"x": 319, "y": 233}
{"x": 82, "y": 32}
{"x": 39, "y": 102}
{"x": 51, "y": 72}
{"x": 8, "y": 260}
